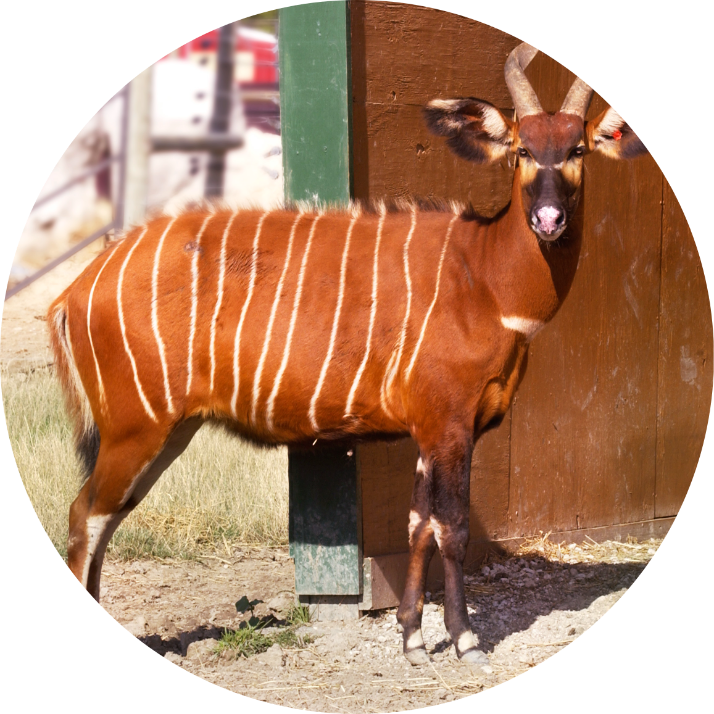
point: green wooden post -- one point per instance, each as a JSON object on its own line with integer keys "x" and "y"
{"x": 316, "y": 101}
{"x": 315, "y": 106}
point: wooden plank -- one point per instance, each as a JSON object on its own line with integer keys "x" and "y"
{"x": 404, "y": 160}
{"x": 685, "y": 360}
{"x": 402, "y": 57}
{"x": 386, "y": 472}
{"x": 411, "y": 52}
{"x": 490, "y": 478}
{"x": 584, "y": 419}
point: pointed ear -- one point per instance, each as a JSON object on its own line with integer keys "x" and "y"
{"x": 476, "y": 130}
{"x": 611, "y": 135}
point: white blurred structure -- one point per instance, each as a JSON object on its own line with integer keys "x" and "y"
{"x": 181, "y": 106}
{"x": 84, "y": 207}
{"x": 182, "y": 102}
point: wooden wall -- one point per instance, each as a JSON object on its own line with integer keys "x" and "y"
{"x": 606, "y": 429}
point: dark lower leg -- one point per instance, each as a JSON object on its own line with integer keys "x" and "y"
{"x": 450, "y": 521}
{"x": 412, "y": 603}
{"x": 456, "y": 617}
{"x": 421, "y": 549}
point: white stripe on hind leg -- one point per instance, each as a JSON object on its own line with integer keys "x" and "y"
{"x": 95, "y": 530}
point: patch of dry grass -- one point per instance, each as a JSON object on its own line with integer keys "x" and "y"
{"x": 220, "y": 491}
{"x": 610, "y": 551}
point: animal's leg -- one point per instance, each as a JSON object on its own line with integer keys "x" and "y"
{"x": 450, "y": 475}
{"x": 124, "y": 473}
{"x": 421, "y": 549}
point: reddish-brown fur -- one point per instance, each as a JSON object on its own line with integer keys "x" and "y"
{"x": 443, "y": 363}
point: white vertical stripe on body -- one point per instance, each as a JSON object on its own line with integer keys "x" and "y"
{"x": 219, "y": 297}
{"x": 155, "y": 316}
{"x": 408, "y": 371}
{"x": 293, "y": 318}
{"x": 122, "y": 325}
{"x": 102, "y": 396}
{"x": 194, "y": 300}
{"x": 271, "y": 319}
{"x": 244, "y": 310}
{"x": 396, "y": 356}
{"x": 372, "y": 317}
{"x": 335, "y": 323}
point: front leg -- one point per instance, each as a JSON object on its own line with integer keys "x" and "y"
{"x": 421, "y": 548}
{"x": 440, "y": 516}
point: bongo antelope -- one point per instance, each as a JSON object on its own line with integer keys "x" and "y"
{"x": 298, "y": 324}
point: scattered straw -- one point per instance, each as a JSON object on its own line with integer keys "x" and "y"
{"x": 482, "y": 589}
{"x": 320, "y": 685}
{"x": 334, "y": 699}
{"x": 215, "y": 557}
{"x": 437, "y": 673}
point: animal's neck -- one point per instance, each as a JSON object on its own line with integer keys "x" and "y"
{"x": 528, "y": 277}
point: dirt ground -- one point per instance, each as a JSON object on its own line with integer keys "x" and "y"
{"x": 523, "y": 610}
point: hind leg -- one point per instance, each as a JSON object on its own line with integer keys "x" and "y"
{"x": 124, "y": 473}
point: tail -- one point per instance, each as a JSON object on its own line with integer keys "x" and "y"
{"x": 86, "y": 433}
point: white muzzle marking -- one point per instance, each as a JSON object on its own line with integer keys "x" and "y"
{"x": 547, "y": 217}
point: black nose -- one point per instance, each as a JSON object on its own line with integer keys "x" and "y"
{"x": 548, "y": 219}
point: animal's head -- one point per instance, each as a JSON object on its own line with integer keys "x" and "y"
{"x": 548, "y": 149}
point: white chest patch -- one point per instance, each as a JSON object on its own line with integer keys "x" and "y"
{"x": 527, "y": 327}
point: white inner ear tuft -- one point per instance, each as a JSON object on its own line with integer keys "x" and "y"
{"x": 610, "y": 123}
{"x": 494, "y": 124}
{"x": 446, "y": 104}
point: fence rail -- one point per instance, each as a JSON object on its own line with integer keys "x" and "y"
{"x": 60, "y": 259}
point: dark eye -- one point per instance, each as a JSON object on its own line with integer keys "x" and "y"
{"x": 522, "y": 152}
{"x": 577, "y": 152}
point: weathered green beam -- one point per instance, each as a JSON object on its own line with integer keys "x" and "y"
{"x": 315, "y": 105}
{"x": 316, "y": 102}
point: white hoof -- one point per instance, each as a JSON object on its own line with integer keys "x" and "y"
{"x": 417, "y": 656}
{"x": 475, "y": 658}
